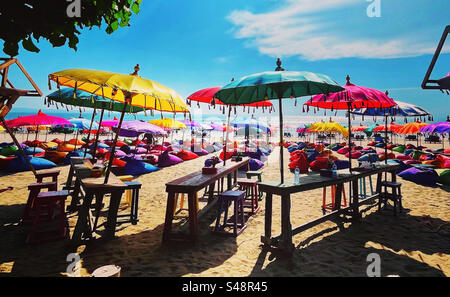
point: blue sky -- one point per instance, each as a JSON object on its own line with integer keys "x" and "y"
{"x": 190, "y": 45}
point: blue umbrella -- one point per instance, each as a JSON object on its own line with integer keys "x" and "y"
{"x": 82, "y": 123}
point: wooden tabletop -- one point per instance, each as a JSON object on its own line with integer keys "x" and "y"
{"x": 197, "y": 180}
{"x": 97, "y": 182}
{"x": 315, "y": 180}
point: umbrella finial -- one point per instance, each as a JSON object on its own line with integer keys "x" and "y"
{"x": 136, "y": 70}
{"x": 279, "y": 68}
{"x": 348, "y": 78}
{"x": 387, "y": 92}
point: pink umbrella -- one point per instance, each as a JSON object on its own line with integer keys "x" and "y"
{"x": 40, "y": 119}
{"x": 110, "y": 123}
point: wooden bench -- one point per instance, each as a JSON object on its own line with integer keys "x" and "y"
{"x": 190, "y": 185}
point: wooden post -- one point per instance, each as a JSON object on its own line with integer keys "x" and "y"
{"x": 226, "y": 137}
{"x": 385, "y": 135}
{"x": 98, "y": 132}
{"x": 349, "y": 139}
{"x": 89, "y": 133}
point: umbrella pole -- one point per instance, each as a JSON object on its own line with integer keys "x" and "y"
{"x": 97, "y": 135}
{"x": 113, "y": 149}
{"x": 16, "y": 142}
{"x": 76, "y": 139}
{"x": 226, "y": 137}
{"x": 89, "y": 133}
{"x": 349, "y": 140}
{"x": 386, "y": 142}
{"x": 281, "y": 140}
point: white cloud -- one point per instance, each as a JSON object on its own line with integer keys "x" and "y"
{"x": 295, "y": 29}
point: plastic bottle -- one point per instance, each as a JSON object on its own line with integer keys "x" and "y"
{"x": 334, "y": 170}
{"x": 297, "y": 176}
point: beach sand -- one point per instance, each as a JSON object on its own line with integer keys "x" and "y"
{"x": 415, "y": 243}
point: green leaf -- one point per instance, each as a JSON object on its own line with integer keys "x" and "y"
{"x": 29, "y": 45}
{"x": 135, "y": 8}
{"x": 11, "y": 48}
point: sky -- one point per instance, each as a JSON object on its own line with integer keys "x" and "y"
{"x": 195, "y": 44}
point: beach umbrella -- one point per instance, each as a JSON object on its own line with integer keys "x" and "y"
{"x": 411, "y": 128}
{"x": 129, "y": 89}
{"x": 278, "y": 84}
{"x": 39, "y": 119}
{"x": 359, "y": 128}
{"x": 137, "y": 127}
{"x": 440, "y": 128}
{"x": 110, "y": 123}
{"x": 352, "y": 98}
{"x": 168, "y": 124}
{"x": 82, "y": 123}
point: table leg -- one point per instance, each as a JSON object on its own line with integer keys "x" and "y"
{"x": 268, "y": 221}
{"x": 114, "y": 202}
{"x": 82, "y": 227}
{"x": 75, "y": 196}
{"x": 286, "y": 228}
{"x": 229, "y": 182}
{"x": 338, "y": 197}
{"x": 169, "y": 216}
{"x": 355, "y": 200}
{"x": 193, "y": 219}
{"x": 211, "y": 192}
{"x": 378, "y": 190}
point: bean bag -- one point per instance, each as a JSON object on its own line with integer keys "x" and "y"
{"x": 343, "y": 150}
{"x": 390, "y": 146}
{"x": 118, "y": 143}
{"x": 55, "y": 156}
{"x": 57, "y": 140}
{"x": 403, "y": 165}
{"x": 4, "y": 161}
{"x": 186, "y": 155}
{"x": 369, "y": 151}
{"x": 77, "y": 153}
{"x": 444, "y": 177}
{"x": 331, "y": 146}
{"x": 292, "y": 148}
{"x": 372, "y": 158}
{"x": 408, "y": 152}
{"x": 76, "y": 141}
{"x": 319, "y": 163}
{"x": 159, "y": 147}
{"x": 167, "y": 159}
{"x": 126, "y": 149}
{"x": 65, "y": 147}
{"x": 312, "y": 155}
{"x": 399, "y": 149}
{"x": 48, "y": 145}
{"x": 447, "y": 151}
{"x": 135, "y": 167}
{"x": 255, "y": 164}
{"x": 342, "y": 164}
{"x": 127, "y": 141}
{"x": 353, "y": 154}
{"x": 140, "y": 150}
{"x": 446, "y": 164}
{"x": 117, "y": 162}
{"x": 151, "y": 159}
{"x": 19, "y": 164}
{"x": 411, "y": 162}
{"x": 119, "y": 154}
{"x": 337, "y": 147}
{"x": 258, "y": 154}
{"x": 357, "y": 148}
{"x": 410, "y": 146}
{"x": 33, "y": 150}
{"x": 372, "y": 143}
{"x": 403, "y": 157}
{"x": 210, "y": 149}
{"x": 8, "y": 150}
{"x": 202, "y": 152}
{"x": 381, "y": 156}
{"x": 379, "y": 145}
{"x": 421, "y": 176}
{"x": 100, "y": 145}
{"x": 301, "y": 161}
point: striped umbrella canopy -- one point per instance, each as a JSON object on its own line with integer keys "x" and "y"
{"x": 402, "y": 109}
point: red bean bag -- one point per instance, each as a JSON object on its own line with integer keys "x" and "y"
{"x": 343, "y": 150}
{"x": 319, "y": 163}
{"x": 76, "y": 141}
{"x": 229, "y": 154}
{"x": 118, "y": 143}
{"x": 372, "y": 143}
{"x": 301, "y": 162}
{"x": 186, "y": 155}
{"x": 296, "y": 154}
{"x": 447, "y": 151}
{"x": 446, "y": 164}
{"x": 319, "y": 147}
{"x": 117, "y": 162}
{"x": 57, "y": 140}
{"x": 159, "y": 147}
{"x": 410, "y": 146}
{"x": 403, "y": 157}
{"x": 354, "y": 154}
{"x": 155, "y": 152}
{"x": 55, "y": 156}
{"x": 390, "y": 146}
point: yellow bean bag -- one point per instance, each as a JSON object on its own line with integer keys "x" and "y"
{"x": 48, "y": 145}
{"x": 76, "y": 141}
{"x": 55, "y": 156}
{"x": 66, "y": 147}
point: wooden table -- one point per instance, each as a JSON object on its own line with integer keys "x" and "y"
{"x": 316, "y": 181}
{"x": 95, "y": 187}
{"x": 190, "y": 185}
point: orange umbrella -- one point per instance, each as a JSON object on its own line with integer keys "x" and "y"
{"x": 411, "y": 128}
{"x": 359, "y": 128}
{"x": 392, "y": 127}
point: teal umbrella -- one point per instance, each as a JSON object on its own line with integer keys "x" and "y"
{"x": 278, "y": 84}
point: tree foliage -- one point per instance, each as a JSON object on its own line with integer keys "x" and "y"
{"x": 27, "y": 21}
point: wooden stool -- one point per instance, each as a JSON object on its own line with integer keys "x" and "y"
{"x": 362, "y": 187}
{"x": 395, "y": 195}
{"x": 330, "y": 206}
{"x": 35, "y": 189}
{"x": 49, "y": 199}
{"x": 250, "y": 185}
{"x": 258, "y": 174}
{"x": 176, "y": 211}
{"x": 40, "y": 175}
{"x": 133, "y": 188}
{"x": 225, "y": 200}
{"x": 128, "y": 192}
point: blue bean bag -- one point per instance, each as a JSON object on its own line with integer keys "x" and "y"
{"x": 403, "y": 165}
{"x": 264, "y": 151}
{"x": 408, "y": 152}
{"x": 311, "y": 155}
{"x": 126, "y": 149}
{"x": 337, "y": 147}
{"x": 33, "y": 150}
{"x": 19, "y": 164}
{"x": 342, "y": 164}
{"x": 380, "y": 145}
{"x": 208, "y": 162}
{"x": 292, "y": 148}
{"x": 256, "y": 155}
{"x": 255, "y": 164}
{"x": 135, "y": 167}
{"x": 77, "y": 153}
{"x": 166, "y": 160}
{"x": 100, "y": 145}
{"x": 301, "y": 145}
{"x": 370, "y": 157}
{"x": 421, "y": 176}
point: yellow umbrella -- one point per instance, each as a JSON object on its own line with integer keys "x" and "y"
{"x": 330, "y": 127}
{"x": 168, "y": 123}
{"x": 144, "y": 93}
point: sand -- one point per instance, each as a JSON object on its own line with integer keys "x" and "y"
{"x": 416, "y": 243}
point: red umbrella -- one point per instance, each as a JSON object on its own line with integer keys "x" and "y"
{"x": 392, "y": 127}
{"x": 353, "y": 97}
{"x": 359, "y": 128}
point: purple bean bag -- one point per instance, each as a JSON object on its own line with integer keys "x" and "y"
{"x": 421, "y": 176}
{"x": 140, "y": 150}
{"x": 136, "y": 167}
{"x": 402, "y": 164}
{"x": 342, "y": 164}
{"x": 254, "y": 165}
{"x": 202, "y": 152}
{"x": 120, "y": 154}
{"x": 166, "y": 159}
{"x": 208, "y": 162}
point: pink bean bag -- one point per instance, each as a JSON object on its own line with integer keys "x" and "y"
{"x": 354, "y": 154}
{"x": 343, "y": 150}
{"x": 403, "y": 157}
